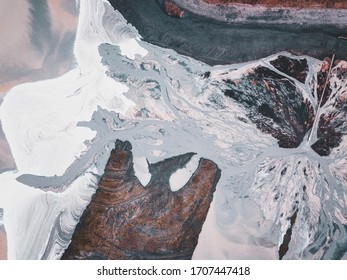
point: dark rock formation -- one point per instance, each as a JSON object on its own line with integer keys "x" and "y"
{"x": 296, "y": 68}
{"x": 333, "y": 123}
{"x": 127, "y": 221}
{"x": 287, "y": 237}
{"x": 323, "y": 84}
{"x": 274, "y": 103}
{"x": 173, "y": 10}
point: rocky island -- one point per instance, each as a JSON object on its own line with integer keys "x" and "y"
{"x": 128, "y": 221}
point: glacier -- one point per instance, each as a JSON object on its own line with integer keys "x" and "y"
{"x": 273, "y": 178}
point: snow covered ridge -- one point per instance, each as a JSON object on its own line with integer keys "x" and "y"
{"x": 167, "y": 104}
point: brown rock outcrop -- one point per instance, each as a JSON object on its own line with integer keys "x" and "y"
{"x": 127, "y": 221}
{"x": 338, "y": 4}
{"x": 173, "y": 10}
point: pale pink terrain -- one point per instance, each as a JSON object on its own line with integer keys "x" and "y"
{"x": 22, "y": 61}
{"x": 3, "y": 246}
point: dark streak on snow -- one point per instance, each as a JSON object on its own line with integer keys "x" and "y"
{"x": 287, "y": 237}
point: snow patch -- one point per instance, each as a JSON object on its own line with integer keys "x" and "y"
{"x": 141, "y": 171}
{"x": 131, "y": 47}
{"x": 41, "y": 119}
{"x": 181, "y": 177}
{"x": 31, "y": 216}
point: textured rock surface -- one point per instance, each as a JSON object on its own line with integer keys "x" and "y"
{"x": 127, "y": 221}
{"x": 274, "y": 102}
{"x": 332, "y": 123}
{"x": 172, "y": 9}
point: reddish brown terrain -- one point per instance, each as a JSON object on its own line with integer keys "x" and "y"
{"x": 338, "y": 4}
{"x": 128, "y": 221}
{"x": 173, "y": 10}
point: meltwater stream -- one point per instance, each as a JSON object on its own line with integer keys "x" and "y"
{"x": 278, "y": 196}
